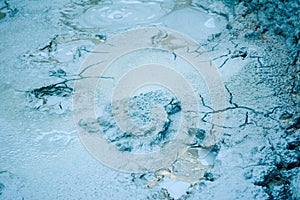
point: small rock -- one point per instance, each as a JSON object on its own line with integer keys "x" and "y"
{"x": 198, "y": 133}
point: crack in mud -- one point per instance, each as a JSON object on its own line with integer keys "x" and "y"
{"x": 263, "y": 140}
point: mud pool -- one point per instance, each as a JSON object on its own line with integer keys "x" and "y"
{"x": 228, "y": 132}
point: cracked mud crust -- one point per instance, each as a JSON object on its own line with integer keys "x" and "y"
{"x": 253, "y": 43}
{"x": 275, "y": 165}
{"x": 152, "y": 129}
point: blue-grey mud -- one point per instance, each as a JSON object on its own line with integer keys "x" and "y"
{"x": 254, "y": 44}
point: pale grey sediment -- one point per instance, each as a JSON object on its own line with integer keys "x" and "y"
{"x": 255, "y": 45}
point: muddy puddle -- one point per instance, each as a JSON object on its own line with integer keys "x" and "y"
{"x": 148, "y": 100}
